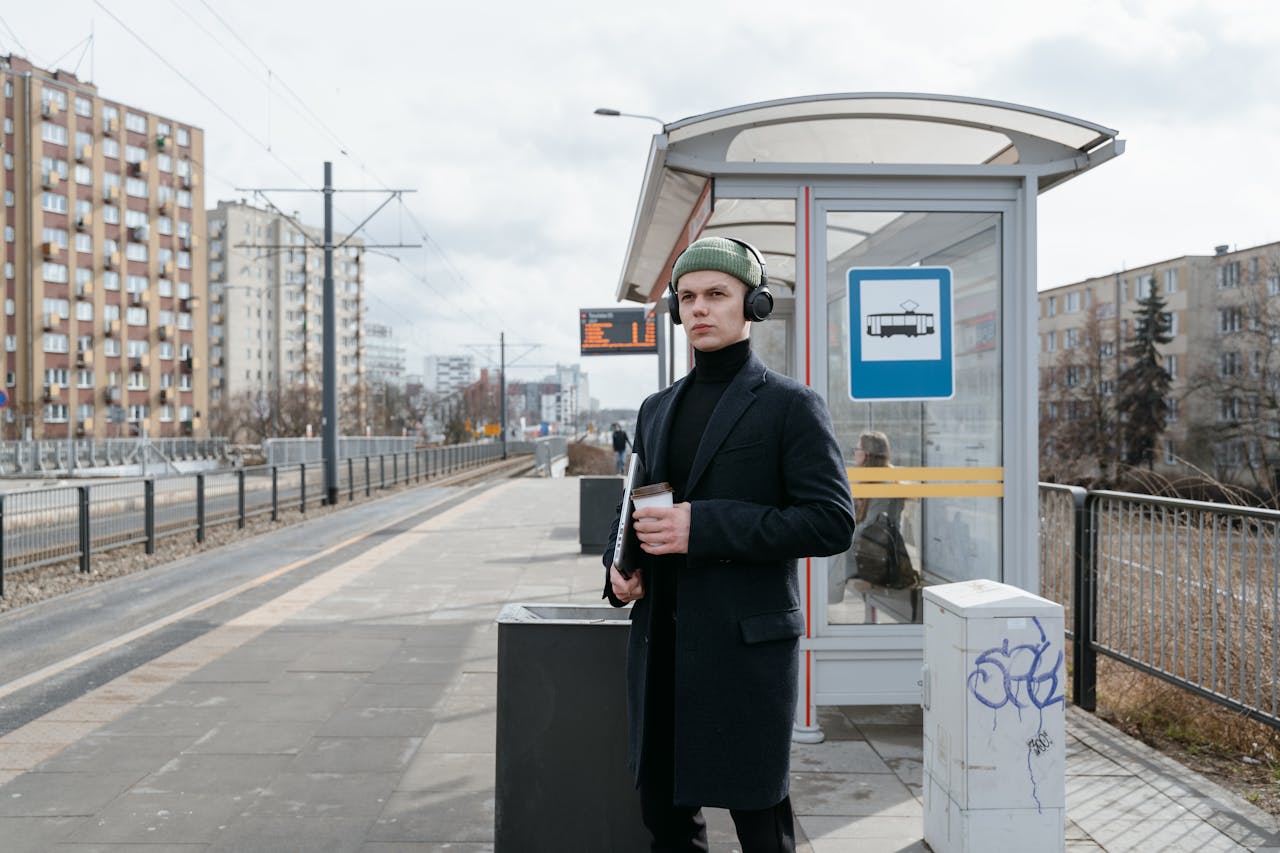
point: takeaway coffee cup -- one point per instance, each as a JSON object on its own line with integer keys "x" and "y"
{"x": 658, "y": 494}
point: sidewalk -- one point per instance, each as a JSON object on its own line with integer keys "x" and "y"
{"x": 356, "y": 712}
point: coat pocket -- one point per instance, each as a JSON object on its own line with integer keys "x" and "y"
{"x": 766, "y": 627}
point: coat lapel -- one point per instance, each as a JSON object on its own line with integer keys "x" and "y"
{"x": 737, "y": 398}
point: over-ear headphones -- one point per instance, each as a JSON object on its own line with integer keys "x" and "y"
{"x": 756, "y": 306}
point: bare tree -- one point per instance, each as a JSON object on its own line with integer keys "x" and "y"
{"x": 1239, "y": 389}
{"x": 1078, "y": 420}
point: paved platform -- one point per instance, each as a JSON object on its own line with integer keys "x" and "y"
{"x": 356, "y": 712}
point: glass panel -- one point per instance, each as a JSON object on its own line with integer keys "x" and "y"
{"x": 949, "y": 519}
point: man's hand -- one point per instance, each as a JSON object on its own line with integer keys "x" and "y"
{"x": 663, "y": 530}
{"x": 626, "y": 589}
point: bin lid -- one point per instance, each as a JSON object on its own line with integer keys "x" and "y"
{"x": 563, "y": 614}
{"x": 979, "y": 598}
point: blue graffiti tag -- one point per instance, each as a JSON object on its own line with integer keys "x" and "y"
{"x": 1012, "y": 676}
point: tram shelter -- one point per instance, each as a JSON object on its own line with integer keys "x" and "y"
{"x": 899, "y": 232}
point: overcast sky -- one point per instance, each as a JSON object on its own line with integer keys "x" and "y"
{"x": 526, "y": 198}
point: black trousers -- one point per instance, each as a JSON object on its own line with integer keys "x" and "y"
{"x": 680, "y": 828}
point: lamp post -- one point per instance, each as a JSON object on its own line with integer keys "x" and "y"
{"x": 607, "y": 111}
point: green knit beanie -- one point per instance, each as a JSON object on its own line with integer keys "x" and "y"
{"x": 718, "y": 253}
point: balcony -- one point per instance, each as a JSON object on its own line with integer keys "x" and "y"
{"x": 165, "y": 332}
{"x": 84, "y": 358}
{"x": 51, "y": 392}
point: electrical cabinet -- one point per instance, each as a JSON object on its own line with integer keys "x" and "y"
{"x": 994, "y": 719}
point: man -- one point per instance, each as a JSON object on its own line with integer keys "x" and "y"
{"x": 620, "y": 442}
{"x": 712, "y": 663}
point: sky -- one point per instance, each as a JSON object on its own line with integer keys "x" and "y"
{"x": 523, "y": 198}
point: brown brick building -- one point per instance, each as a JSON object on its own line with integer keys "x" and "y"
{"x": 105, "y": 272}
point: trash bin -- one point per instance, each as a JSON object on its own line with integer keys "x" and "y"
{"x": 562, "y": 783}
{"x": 597, "y": 502}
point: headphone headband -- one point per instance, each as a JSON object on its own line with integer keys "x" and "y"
{"x": 756, "y": 306}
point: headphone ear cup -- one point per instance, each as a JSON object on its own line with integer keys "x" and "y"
{"x": 758, "y": 304}
{"x": 673, "y": 306}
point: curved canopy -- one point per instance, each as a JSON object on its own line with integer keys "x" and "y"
{"x": 834, "y": 135}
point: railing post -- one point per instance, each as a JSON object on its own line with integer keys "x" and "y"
{"x": 199, "y": 507}
{"x": 382, "y": 471}
{"x": 275, "y": 493}
{"x": 368, "y": 477}
{"x": 85, "y": 543}
{"x": 1, "y": 546}
{"x": 302, "y": 467}
{"x": 149, "y": 514}
{"x": 351, "y": 479}
{"x": 1084, "y": 672}
{"x": 240, "y": 498}
{"x": 395, "y": 469}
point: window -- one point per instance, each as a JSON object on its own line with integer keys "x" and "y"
{"x": 166, "y": 413}
{"x": 136, "y": 284}
{"x": 134, "y": 154}
{"x": 139, "y": 412}
{"x": 1171, "y": 318}
{"x": 55, "y": 342}
{"x": 111, "y": 346}
{"x": 84, "y": 412}
{"x": 1171, "y": 365}
{"x": 184, "y": 198}
{"x": 1171, "y": 281}
{"x": 83, "y": 140}
{"x": 164, "y": 162}
{"x": 136, "y": 187}
{"x": 1228, "y": 409}
{"x": 84, "y": 243}
{"x": 1229, "y": 319}
{"x": 53, "y": 202}
{"x": 57, "y": 97}
{"x": 84, "y": 175}
{"x": 1273, "y": 285}
{"x": 136, "y": 219}
{"x": 84, "y": 343}
{"x": 1071, "y": 339}
{"x": 184, "y": 260}
{"x": 84, "y": 107}
{"x": 1071, "y": 376}
{"x": 111, "y": 214}
{"x": 110, "y": 149}
{"x": 135, "y": 122}
{"x": 135, "y": 251}
{"x": 136, "y": 316}
{"x": 56, "y": 376}
{"x": 184, "y": 228}
{"x": 1071, "y": 302}
{"x": 84, "y": 311}
{"x": 166, "y": 380}
{"x": 137, "y": 381}
{"x": 55, "y": 235}
{"x": 165, "y": 287}
{"x": 84, "y": 378}
{"x": 110, "y": 280}
{"x": 1170, "y": 457}
{"x": 1228, "y": 363}
{"x": 55, "y": 134}
{"x": 184, "y": 383}
{"x": 55, "y": 272}
{"x": 1143, "y": 285}
{"x": 138, "y": 347}
{"x": 8, "y": 307}
{"x": 58, "y": 307}
{"x": 11, "y": 343}
{"x": 55, "y": 413}
{"x": 1171, "y": 405}
{"x": 184, "y": 136}
{"x": 52, "y": 165}
{"x": 1229, "y": 275}
{"x": 164, "y": 225}
{"x": 164, "y": 350}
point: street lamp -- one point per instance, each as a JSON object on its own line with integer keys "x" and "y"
{"x": 606, "y": 111}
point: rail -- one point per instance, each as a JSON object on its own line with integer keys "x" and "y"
{"x": 1186, "y": 591}
{"x": 60, "y": 524}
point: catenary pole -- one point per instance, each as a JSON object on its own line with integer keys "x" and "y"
{"x": 502, "y": 387}
{"x": 329, "y": 418}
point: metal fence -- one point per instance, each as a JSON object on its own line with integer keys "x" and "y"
{"x": 37, "y": 457}
{"x": 66, "y": 523}
{"x": 1186, "y": 591}
{"x": 284, "y": 451}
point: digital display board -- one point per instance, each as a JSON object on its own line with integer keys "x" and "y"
{"x": 617, "y": 331}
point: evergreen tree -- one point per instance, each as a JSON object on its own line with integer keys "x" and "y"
{"x": 1144, "y": 382}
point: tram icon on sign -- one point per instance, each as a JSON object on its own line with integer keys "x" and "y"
{"x": 908, "y": 322}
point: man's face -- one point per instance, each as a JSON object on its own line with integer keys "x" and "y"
{"x": 711, "y": 309}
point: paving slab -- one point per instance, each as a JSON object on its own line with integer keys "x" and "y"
{"x": 357, "y": 712}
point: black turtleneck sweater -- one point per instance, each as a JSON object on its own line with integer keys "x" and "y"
{"x": 712, "y": 373}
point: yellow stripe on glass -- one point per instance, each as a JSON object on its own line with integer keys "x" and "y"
{"x": 926, "y": 482}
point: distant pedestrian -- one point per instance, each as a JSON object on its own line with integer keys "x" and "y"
{"x": 620, "y": 444}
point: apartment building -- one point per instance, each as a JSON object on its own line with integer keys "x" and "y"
{"x": 384, "y": 356}
{"x": 266, "y": 312}
{"x": 445, "y": 374}
{"x": 103, "y": 262}
{"x": 1224, "y": 356}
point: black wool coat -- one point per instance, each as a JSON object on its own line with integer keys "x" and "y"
{"x": 767, "y": 486}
